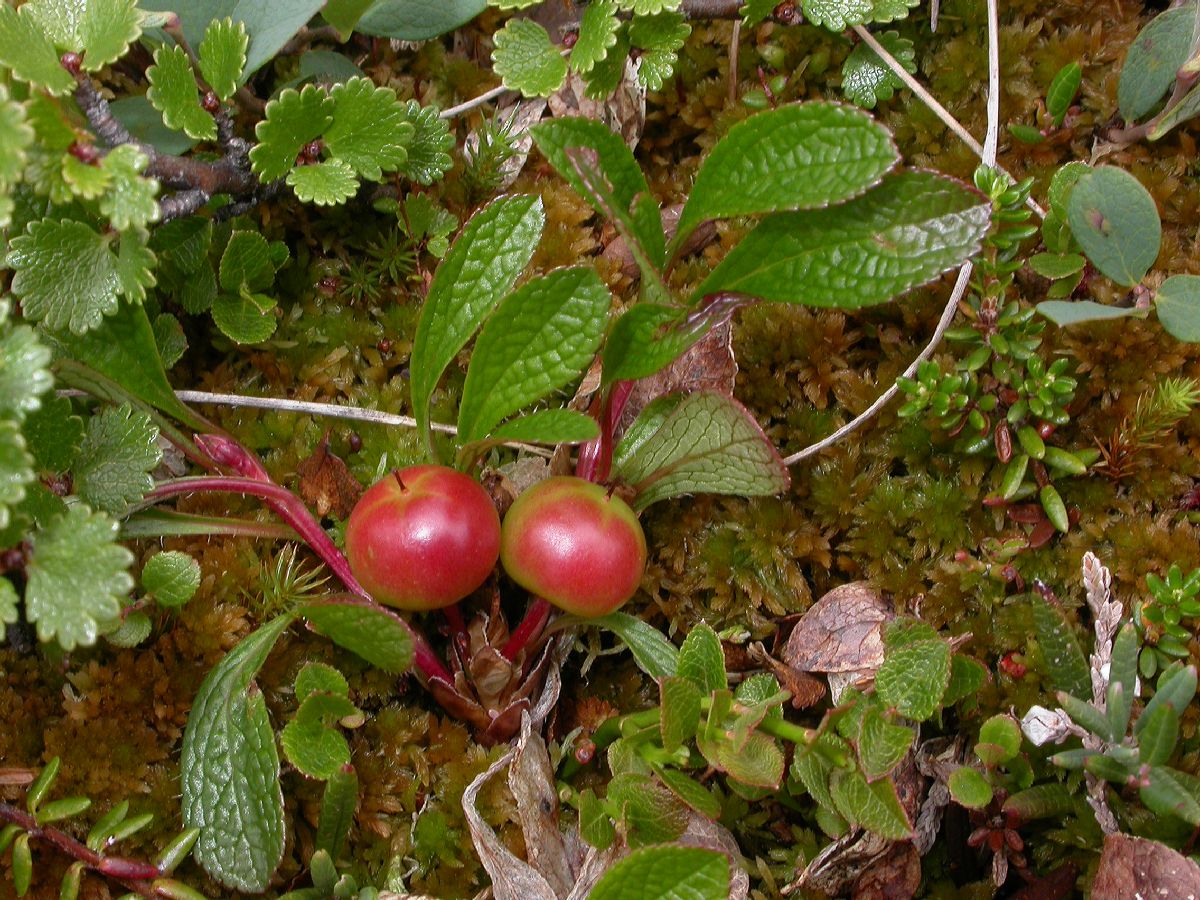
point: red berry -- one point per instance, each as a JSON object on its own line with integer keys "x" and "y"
{"x": 423, "y": 538}
{"x": 574, "y": 544}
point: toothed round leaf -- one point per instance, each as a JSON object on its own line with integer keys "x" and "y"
{"x": 597, "y": 35}
{"x": 370, "y": 130}
{"x": 325, "y": 184}
{"x": 100, "y": 30}
{"x": 865, "y": 78}
{"x": 527, "y": 60}
{"x": 130, "y": 200}
{"x": 838, "y": 15}
{"x": 891, "y": 10}
{"x": 134, "y": 629}
{"x": 292, "y": 120}
{"x": 8, "y": 602}
{"x": 428, "y": 151}
{"x": 27, "y": 49}
{"x": 119, "y": 450}
{"x": 15, "y": 135}
{"x": 24, "y": 372}
{"x": 660, "y": 38}
{"x": 173, "y": 93}
{"x": 16, "y": 468}
{"x": 172, "y": 577}
{"x": 223, "y": 55}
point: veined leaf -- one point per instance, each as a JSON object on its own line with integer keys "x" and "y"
{"x": 24, "y": 372}
{"x": 1116, "y": 223}
{"x": 702, "y": 661}
{"x": 875, "y": 807}
{"x": 914, "y": 677}
{"x": 881, "y": 745}
{"x": 654, "y": 654}
{"x": 679, "y": 700}
{"x": 428, "y": 153}
{"x": 230, "y": 770}
{"x": 245, "y": 317}
{"x": 708, "y": 443}
{"x": 366, "y": 629}
{"x": 325, "y": 183}
{"x": 119, "y": 450}
{"x": 15, "y": 135}
{"x": 903, "y": 233}
{"x": 1152, "y": 61}
{"x": 526, "y": 59}
{"x": 866, "y": 79}
{"x": 481, "y": 267}
{"x": 838, "y": 15}
{"x": 27, "y": 49}
{"x": 173, "y": 93}
{"x": 549, "y": 426}
{"x": 100, "y": 30}
{"x": 16, "y": 469}
{"x": 817, "y": 154}
{"x": 660, "y": 38}
{"x": 652, "y": 813}
{"x": 540, "y": 337}
{"x": 666, "y": 873}
{"x": 172, "y": 577}
{"x": 370, "y": 130}
{"x": 246, "y": 263}
{"x": 292, "y": 120}
{"x": 223, "y": 55}
{"x": 129, "y": 202}
{"x": 597, "y": 35}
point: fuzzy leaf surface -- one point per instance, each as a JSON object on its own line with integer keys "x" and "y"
{"x": 701, "y": 660}
{"x": 666, "y": 873}
{"x": 77, "y": 577}
{"x": 1152, "y": 61}
{"x": 1116, "y": 223}
{"x": 370, "y": 130}
{"x": 527, "y": 60}
{"x": 100, "y": 30}
{"x": 325, "y": 183}
{"x": 481, "y": 267}
{"x": 292, "y": 120}
{"x": 366, "y": 629}
{"x": 873, "y": 806}
{"x": 540, "y": 337}
{"x": 172, "y": 576}
{"x": 903, "y": 233}
{"x": 24, "y": 372}
{"x": 800, "y": 156}
{"x": 223, "y": 55}
{"x": 230, "y": 770}
{"x": 866, "y": 79}
{"x": 119, "y": 450}
{"x": 597, "y": 35}
{"x": 709, "y": 443}
{"x": 27, "y": 49}
{"x": 130, "y": 200}
{"x": 549, "y": 426}
{"x": 838, "y": 15}
{"x": 429, "y": 149}
{"x": 173, "y": 93}
{"x": 914, "y": 677}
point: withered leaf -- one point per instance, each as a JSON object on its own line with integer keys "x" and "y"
{"x": 841, "y": 632}
{"x": 623, "y": 111}
{"x": 806, "y": 690}
{"x": 1136, "y": 867}
{"x": 894, "y": 876}
{"x": 326, "y": 484}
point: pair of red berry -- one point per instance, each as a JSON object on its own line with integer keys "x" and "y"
{"x": 427, "y": 536}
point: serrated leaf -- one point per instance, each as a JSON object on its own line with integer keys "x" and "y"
{"x": 817, "y": 154}
{"x": 370, "y": 130}
{"x": 756, "y": 11}
{"x": 15, "y": 135}
{"x": 549, "y": 426}
{"x": 906, "y": 231}
{"x": 428, "y": 153}
{"x": 654, "y": 654}
{"x": 310, "y": 743}
{"x": 291, "y": 120}
{"x": 866, "y": 79}
{"x": 223, "y": 55}
{"x": 53, "y": 433}
{"x": 15, "y": 468}
{"x": 838, "y": 15}
{"x": 891, "y": 10}
{"x": 8, "y": 602}
{"x": 512, "y": 4}
{"x": 129, "y": 201}
{"x": 527, "y": 60}
{"x": 100, "y": 30}
{"x": 913, "y": 678}
{"x": 701, "y": 660}
{"x": 691, "y": 792}
{"x": 27, "y": 49}
{"x": 597, "y": 35}
{"x": 320, "y": 678}
{"x": 24, "y": 372}
{"x": 1115, "y": 221}
{"x": 173, "y": 93}
{"x": 652, "y": 813}
{"x": 540, "y": 337}
{"x": 881, "y": 745}
{"x": 134, "y": 267}
{"x": 969, "y": 788}
{"x": 1065, "y": 663}
{"x": 77, "y": 577}
{"x": 168, "y": 335}
{"x": 666, "y": 873}
{"x": 709, "y": 443}
{"x": 230, "y": 770}
{"x": 873, "y": 806}
{"x": 366, "y": 629}
{"x": 605, "y": 76}
{"x": 1152, "y": 61}
{"x": 244, "y": 317}
{"x": 172, "y": 577}
{"x": 86, "y": 182}
{"x": 660, "y": 37}
{"x": 481, "y": 267}
{"x": 325, "y": 183}
{"x": 967, "y": 676}
{"x": 132, "y": 630}
{"x": 66, "y": 274}
{"x": 1177, "y": 303}
{"x": 651, "y": 7}
{"x": 679, "y": 700}
{"x": 119, "y": 449}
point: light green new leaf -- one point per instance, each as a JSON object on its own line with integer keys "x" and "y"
{"x": 172, "y": 577}
{"x": 77, "y": 577}
{"x": 1152, "y": 61}
{"x": 691, "y": 792}
{"x": 230, "y": 770}
{"x": 512, "y": 4}
{"x": 85, "y": 181}
{"x": 838, "y": 15}
{"x": 15, "y": 135}
{"x": 651, "y": 7}
{"x": 549, "y": 426}
{"x": 913, "y": 678}
{"x": 344, "y": 15}
{"x": 312, "y": 742}
{"x": 24, "y": 372}
{"x": 223, "y": 55}
{"x": 325, "y": 183}
{"x": 129, "y": 201}
{"x": 66, "y": 274}
{"x": 100, "y": 30}
{"x": 134, "y": 266}
{"x": 679, "y": 700}
{"x": 366, "y": 629}
{"x": 757, "y": 761}
{"x": 901, "y": 234}
{"x": 119, "y": 450}
{"x": 606, "y": 75}
{"x": 8, "y": 602}
{"x": 666, "y": 873}
{"x": 708, "y": 444}
{"x": 873, "y": 806}
{"x": 319, "y": 678}
{"x": 1178, "y": 305}
{"x": 1185, "y": 109}
{"x": 866, "y": 79}
{"x": 245, "y": 317}
{"x": 969, "y": 788}
{"x": 173, "y": 93}
{"x": 817, "y": 154}
{"x": 370, "y": 130}
{"x": 27, "y": 49}
{"x": 429, "y": 149}
{"x": 540, "y": 337}
{"x": 1116, "y": 223}
{"x": 16, "y": 468}
{"x": 527, "y": 60}
{"x": 653, "y": 653}
{"x": 660, "y": 37}
{"x": 702, "y": 661}
{"x": 481, "y": 267}
{"x": 597, "y": 35}
{"x": 292, "y": 120}
{"x": 890, "y": 10}
{"x": 246, "y": 263}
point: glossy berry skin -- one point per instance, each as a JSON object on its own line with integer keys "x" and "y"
{"x": 570, "y": 542}
{"x": 423, "y": 538}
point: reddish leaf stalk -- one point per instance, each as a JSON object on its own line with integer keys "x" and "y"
{"x": 530, "y": 628}
{"x": 595, "y": 457}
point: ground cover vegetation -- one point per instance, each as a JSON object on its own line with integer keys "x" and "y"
{"x": 641, "y": 448}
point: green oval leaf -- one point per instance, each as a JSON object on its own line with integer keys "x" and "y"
{"x": 666, "y": 873}
{"x": 969, "y": 788}
{"x": 172, "y": 577}
{"x": 417, "y": 20}
{"x": 364, "y": 628}
{"x": 1116, "y": 223}
{"x": 549, "y": 426}
{"x": 1178, "y": 305}
{"x": 1152, "y": 61}
{"x": 654, "y": 654}
{"x": 527, "y": 60}
{"x": 1077, "y": 312}
{"x": 913, "y": 678}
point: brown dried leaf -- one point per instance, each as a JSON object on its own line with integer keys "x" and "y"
{"x": 624, "y": 111}
{"x": 326, "y": 484}
{"x": 1133, "y": 867}
{"x": 835, "y": 869}
{"x": 894, "y": 876}
{"x": 841, "y": 632}
{"x": 806, "y": 690}
{"x": 1058, "y": 884}
{"x": 19, "y": 777}
{"x": 531, "y": 780}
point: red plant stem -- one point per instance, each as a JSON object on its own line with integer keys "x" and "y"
{"x": 454, "y": 618}
{"x": 530, "y": 628}
{"x": 133, "y": 874}
{"x": 595, "y": 457}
